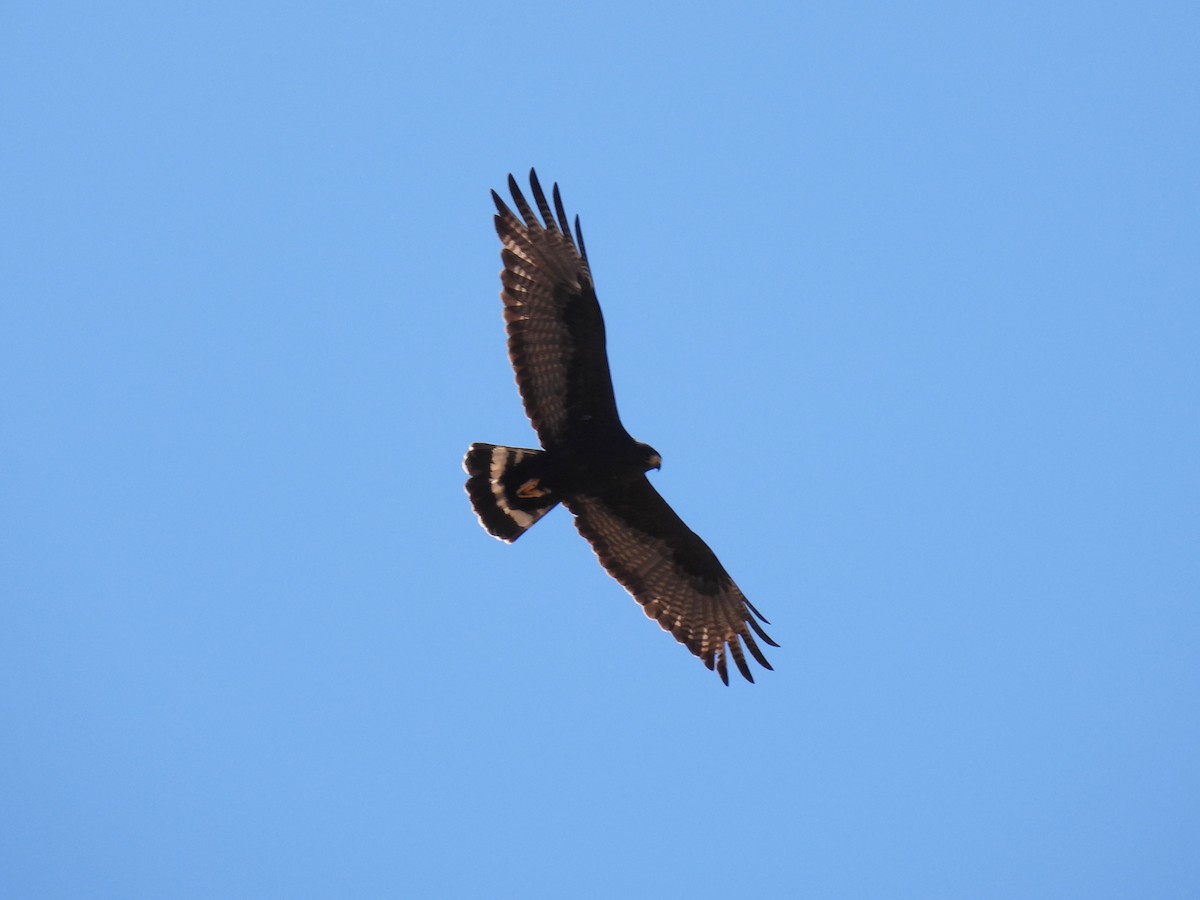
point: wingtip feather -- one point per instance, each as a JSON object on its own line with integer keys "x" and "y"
{"x": 579, "y": 239}
{"x": 564, "y": 224}
{"x": 755, "y": 652}
{"x": 749, "y": 620}
{"x": 739, "y": 658}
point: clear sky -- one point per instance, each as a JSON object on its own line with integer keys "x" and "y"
{"x": 907, "y": 296}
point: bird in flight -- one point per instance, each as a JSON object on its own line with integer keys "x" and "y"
{"x": 588, "y": 462}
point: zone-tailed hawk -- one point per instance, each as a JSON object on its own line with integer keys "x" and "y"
{"x": 588, "y": 461}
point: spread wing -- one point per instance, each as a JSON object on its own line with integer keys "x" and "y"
{"x": 672, "y": 573}
{"x": 555, "y": 329}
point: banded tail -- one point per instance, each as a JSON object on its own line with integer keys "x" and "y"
{"x": 505, "y": 488}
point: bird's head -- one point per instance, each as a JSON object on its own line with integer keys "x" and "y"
{"x": 650, "y": 457}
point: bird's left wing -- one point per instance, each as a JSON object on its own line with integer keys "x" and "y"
{"x": 672, "y": 573}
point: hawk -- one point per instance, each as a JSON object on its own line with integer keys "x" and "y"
{"x": 588, "y": 462}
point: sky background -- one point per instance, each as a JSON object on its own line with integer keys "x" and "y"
{"x": 907, "y": 296}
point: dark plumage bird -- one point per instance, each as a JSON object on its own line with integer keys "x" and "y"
{"x": 588, "y": 461}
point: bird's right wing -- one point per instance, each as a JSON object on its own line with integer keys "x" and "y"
{"x": 555, "y": 328}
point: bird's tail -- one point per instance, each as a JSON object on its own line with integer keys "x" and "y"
{"x": 505, "y": 488}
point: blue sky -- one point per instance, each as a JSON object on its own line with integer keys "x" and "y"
{"x": 908, "y": 297}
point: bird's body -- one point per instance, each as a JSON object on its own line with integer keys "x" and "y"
{"x": 588, "y": 461}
